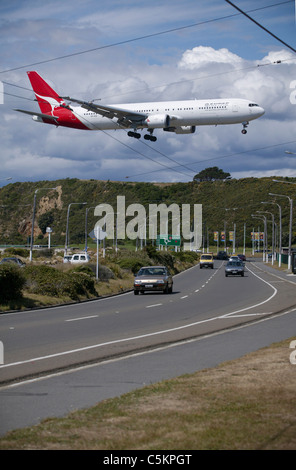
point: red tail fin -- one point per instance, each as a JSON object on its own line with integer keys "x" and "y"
{"x": 47, "y": 98}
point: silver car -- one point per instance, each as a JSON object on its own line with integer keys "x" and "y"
{"x": 13, "y": 260}
{"x": 153, "y": 278}
{"x": 234, "y": 268}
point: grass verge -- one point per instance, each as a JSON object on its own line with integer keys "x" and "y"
{"x": 245, "y": 404}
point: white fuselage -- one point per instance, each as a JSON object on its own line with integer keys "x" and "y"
{"x": 180, "y": 113}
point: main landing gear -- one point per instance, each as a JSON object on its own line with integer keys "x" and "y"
{"x": 136, "y": 135}
{"x": 245, "y": 125}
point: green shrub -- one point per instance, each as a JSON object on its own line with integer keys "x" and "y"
{"x": 12, "y": 282}
{"x": 187, "y": 256}
{"x": 43, "y": 253}
{"x": 50, "y": 281}
{"x": 84, "y": 268}
{"x": 17, "y": 252}
{"x": 133, "y": 264}
{"x": 164, "y": 258}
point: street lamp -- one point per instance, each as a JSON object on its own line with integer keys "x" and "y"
{"x": 263, "y": 217}
{"x": 33, "y": 220}
{"x": 290, "y": 225}
{"x": 280, "y": 234}
{"x": 272, "y": 236}
{"x": 86, "y": 212}
{"x": 67, "y": 227}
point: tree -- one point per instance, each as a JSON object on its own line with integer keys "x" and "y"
{"x": 45, "y": 220}
{"x": 211, "y": 174}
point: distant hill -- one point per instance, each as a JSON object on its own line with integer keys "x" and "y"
{"x": 223, "y": 202}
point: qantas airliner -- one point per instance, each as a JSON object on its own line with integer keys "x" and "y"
{"x": 180, "y": 117}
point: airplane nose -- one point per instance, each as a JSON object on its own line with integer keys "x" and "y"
{"x": 260, "y": 111}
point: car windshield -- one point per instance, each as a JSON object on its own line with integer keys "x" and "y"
{"x": 235, "y": 263}
{"x": 206, "y": 257}
{"x": 151, "y": 272}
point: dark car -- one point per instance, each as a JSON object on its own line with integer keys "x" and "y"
{"x": 242, "y": 257}
{"x": 153, "y": 278}
{"x": 234, "y": 268}
{"x": 222, "y": 255}
{"x": 13, "y": 260}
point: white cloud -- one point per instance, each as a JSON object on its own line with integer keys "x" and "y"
{"x": 204, "y": 56}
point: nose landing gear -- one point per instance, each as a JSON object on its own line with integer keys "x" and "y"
{"x": 245, "y": 125}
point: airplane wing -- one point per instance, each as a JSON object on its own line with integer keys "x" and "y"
{"x": 41, "y": 115}
{"x": 125, "y": 117}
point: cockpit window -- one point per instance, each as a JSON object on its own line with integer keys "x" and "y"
{"x": 253, "y": 104}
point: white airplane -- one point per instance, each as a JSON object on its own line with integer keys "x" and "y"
{"x": 180, "y": 117}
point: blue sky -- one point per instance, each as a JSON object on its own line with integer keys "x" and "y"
{"x": 214, "y": 52}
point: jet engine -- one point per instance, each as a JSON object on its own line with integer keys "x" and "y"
{"x": 155, "y": 121}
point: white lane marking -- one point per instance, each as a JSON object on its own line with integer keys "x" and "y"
{"x": 82, "y": 318}
{"x": 184, "y": 297}
{"x": 260, "y": 303}
{"x": 160, "y": 348}
{"x": 251, "y": 314}
{"x": 153, "y": 305}
{"x": 272, "y": 274}
{"x": 156, "y": 333}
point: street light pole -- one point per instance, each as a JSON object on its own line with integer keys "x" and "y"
{"x": 280, "y": 234}
{"x": 290, "y": 225}
{"x": 263, "y": 217}
{"x": 86, "y": 212}
{"x": 67, "y": 226}
{"x": 272, "y": 236}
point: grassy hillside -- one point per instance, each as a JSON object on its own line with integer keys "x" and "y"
{"x": 223, "y": 202}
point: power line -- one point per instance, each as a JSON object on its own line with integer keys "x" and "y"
{"x": 222, "y": 156}
{"x": 262, "y": 27}
{"x": 140, "y": 38}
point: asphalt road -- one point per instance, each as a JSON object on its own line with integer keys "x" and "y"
{"x": 138, "y": 339}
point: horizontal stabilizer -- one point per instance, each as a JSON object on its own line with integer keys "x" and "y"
{"x": 41, "y": 115}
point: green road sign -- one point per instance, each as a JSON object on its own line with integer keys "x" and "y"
{"x": 169, "y": 240}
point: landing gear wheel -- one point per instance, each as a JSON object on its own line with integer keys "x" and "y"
{"x": 136, "y": 135}
{"x": 244, "y": 131}
{"x": 152, "y": 138}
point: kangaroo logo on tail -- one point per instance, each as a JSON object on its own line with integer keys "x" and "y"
{"x": 47, "y": 98}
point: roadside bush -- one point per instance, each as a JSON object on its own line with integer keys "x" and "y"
{"x": 187, "y": 256}
{"x": 164, "y": 258}
{"x": 47, "y": 280}
{"x": 133, "y": 264}
{"x": 83, "y": 268}
{"x": 17, "y": 252}
{"x": 105, "y": 273}
{"x": 12, "y": 281}
{"x": 43, "y": 253}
